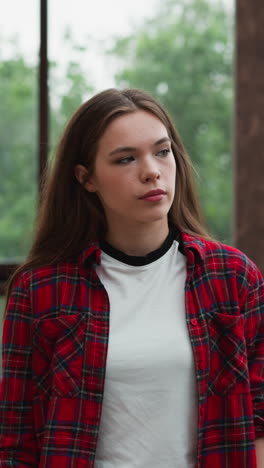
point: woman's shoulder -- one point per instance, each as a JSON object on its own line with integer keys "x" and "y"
{"x": 40, "y": 272}
{"x": 221, "y": 257}
{"x": 43, "y": 274}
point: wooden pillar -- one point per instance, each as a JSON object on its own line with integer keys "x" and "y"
{"x": 249, "y": 130}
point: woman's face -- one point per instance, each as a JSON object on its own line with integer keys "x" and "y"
{"x": 134, "y": 158}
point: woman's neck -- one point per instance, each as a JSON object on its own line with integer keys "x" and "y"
{"x": 138, "y": 240}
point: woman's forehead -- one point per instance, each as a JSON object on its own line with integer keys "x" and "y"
{"x": 138, "y": 127}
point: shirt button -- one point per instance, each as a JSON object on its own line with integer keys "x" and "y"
{"x": 194, "y": 321}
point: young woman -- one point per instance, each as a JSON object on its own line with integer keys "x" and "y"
{"x": 131, "y": 338}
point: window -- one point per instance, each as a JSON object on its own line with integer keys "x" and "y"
{"x": 181, "y": 52}
{"x": 18, "y": 128}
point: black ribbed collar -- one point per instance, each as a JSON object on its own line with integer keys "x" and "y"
{"x": 133, "y": 260}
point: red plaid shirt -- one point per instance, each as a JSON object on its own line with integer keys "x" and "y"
{"x": 54, "y": 357}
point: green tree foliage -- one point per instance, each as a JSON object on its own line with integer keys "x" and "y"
{"x": 69, "y": 88}
{"x": 17, "y": 155}
{"x": 18, "y": 144}
{"x": 183, "y": 56}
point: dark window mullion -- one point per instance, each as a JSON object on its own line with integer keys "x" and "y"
{"x": 43, "y": 135}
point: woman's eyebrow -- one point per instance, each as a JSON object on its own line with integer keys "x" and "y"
{"x": 163, "y": 140}
{"x": 122, "y": 149}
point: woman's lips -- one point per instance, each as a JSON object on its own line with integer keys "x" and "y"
{"x": 153, "y": 195}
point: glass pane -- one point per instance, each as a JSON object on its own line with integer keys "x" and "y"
{"x": 179, "y": 51}
{"x": 18, "y": 126}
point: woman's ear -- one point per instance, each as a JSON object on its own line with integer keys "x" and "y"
{"x": 82, "y": 175}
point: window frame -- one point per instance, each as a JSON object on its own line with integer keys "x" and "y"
{"x": 6, "y": 269}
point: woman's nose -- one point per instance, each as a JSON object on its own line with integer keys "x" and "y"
{"x": 150, "y": 171}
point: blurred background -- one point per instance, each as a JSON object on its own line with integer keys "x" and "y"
{"x": 181, "y": 51}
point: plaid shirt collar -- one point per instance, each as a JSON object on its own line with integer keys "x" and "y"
{"x": 193, "y": 247}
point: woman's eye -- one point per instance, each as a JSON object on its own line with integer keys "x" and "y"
{"x": 125, "y": 160}
{"x": 164, "y": 152}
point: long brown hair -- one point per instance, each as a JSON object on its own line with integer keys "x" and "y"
{"x": 70, "y": 216}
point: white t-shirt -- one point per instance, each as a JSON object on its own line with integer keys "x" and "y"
{"x": 149, "y": 413}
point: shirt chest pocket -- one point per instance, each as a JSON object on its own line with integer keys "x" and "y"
{"x": 228, "y": 355}
{"x": 57, "y": 359}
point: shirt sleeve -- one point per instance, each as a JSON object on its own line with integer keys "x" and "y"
{"x": 254, "y": 332}
{"x": 18, "y": 447}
